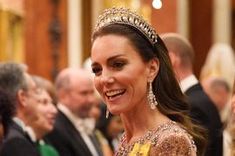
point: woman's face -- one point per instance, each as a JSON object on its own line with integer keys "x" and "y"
{"x": 120, "y": 74}
{"x": 47, "y": 112}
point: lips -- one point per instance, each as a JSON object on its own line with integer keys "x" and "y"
{"x": 114, "y": 93}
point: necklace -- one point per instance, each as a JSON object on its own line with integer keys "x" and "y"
{"x": 150, "y": 137}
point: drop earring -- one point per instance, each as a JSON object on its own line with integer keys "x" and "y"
{"x": 107, "y": 113}
{"x": 151, "y": 97}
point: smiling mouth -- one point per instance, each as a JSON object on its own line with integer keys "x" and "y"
{"x": 114, "y": 93}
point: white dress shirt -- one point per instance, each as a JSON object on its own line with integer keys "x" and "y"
{"x": 31, "y": 133}
{"x": 20, "y": 123}
{"x": 83, "y": 126}
{"x": 188, "y": 82}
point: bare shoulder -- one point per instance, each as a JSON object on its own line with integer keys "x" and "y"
{"x": 174, "y": 140}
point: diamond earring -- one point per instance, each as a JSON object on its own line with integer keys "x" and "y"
{"x": 107, "y": 113}
{"x": 151, "y": 97}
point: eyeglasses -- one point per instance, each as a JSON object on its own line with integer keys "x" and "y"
{"x": 33, "y": 92}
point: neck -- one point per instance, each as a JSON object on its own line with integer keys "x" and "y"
{"x": 39, "y": 134}
{"x": 183, "y": 73}
{"x": 136, "y": 125}
{"x": 21, "y": 116}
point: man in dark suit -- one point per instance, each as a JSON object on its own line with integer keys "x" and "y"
{"x": 72, "y": 135}
{"x": 203, "y": 111}
{"x": 22, "y": 91}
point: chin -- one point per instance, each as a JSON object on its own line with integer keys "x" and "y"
{"x": 115, "y": 111}
{"x": 48, "y": 129}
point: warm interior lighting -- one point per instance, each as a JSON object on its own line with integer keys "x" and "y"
{"x": 157, "y": 4}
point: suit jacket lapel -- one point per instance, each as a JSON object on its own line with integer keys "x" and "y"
{"x": 73, "y": 133}
{"x": 20, "y": 129}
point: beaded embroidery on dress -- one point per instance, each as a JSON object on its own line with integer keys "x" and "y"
{"x": 168, "y": 139}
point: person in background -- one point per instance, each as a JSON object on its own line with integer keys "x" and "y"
{"x": 6, "y": 113}
{"x": 47, "y": 85}
{"x": 220, "y": 62}
{"x": 203, "y": 110}
{"x": 135, "y": 79}
{"x": 111, "y": 128}
{"x": 47, "y": 112}
{"x": 219, "y": 92}
{"x": 73, "y": 133}
{"x": 23, "y": 93}
{"x": 96, "y": 113}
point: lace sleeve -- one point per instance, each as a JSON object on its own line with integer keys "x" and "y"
{"x": 174, "y": 145}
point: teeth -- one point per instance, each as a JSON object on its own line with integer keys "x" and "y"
{"x": 114, "y": 92}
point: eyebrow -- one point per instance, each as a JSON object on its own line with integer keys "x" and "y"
{"x": 109, "y": 59}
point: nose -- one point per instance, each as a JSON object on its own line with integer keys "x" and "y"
{"x": 107, "y": 77}
{"x": 53, "y": 109}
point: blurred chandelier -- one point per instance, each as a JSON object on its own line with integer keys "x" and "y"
{"x": 157, "y": 4}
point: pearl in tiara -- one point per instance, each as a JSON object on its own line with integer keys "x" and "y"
{"x": 126, "y": 17}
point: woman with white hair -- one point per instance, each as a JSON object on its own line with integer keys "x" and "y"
{"x": 220, "y": 62}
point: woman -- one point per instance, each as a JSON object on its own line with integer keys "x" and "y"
{"x": 46, "y": 117}
{"x": 220, "y": 62}
{"x": 134, "y": 76}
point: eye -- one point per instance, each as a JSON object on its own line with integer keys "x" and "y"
{"x": 118, "y": 64}
{"x": 41, "y": 101}
{"x": 96, "y": 70}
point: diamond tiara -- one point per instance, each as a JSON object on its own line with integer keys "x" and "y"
{"x": 126, "y": 17}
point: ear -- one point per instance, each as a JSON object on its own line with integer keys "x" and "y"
{"x": 62, "y": 95}
{"x": 174, "y": 59}
{"x": 153, "y": 68}
{"x": 22, "y": 97}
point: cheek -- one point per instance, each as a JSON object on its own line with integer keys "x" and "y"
{"x": 75, "y": 99}
{"x": 137, "y": 81}
{"x": 233, "y": 103}
{"x": 42, "y": 111}
{"x": 136, "y": 73}
{"x": 33, "y": 108}
{"x": 140, "y": 89}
